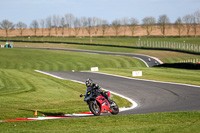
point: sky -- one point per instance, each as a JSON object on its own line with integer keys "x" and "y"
{"x": 28, "y": 10}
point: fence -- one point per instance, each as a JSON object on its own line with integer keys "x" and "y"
{"x": 169, "y": 45}
{"x": 190, "y": 61}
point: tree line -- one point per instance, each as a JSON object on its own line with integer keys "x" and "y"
{"x": 74, "y": 25}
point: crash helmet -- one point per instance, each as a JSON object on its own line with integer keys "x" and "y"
{"x": 88, "y": 82}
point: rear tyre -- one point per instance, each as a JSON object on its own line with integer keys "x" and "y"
{"x": 115, "y": 109}
{"x": 95, "y": 108}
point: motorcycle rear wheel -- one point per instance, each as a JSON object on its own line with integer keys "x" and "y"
{"x": 95, "y": 108}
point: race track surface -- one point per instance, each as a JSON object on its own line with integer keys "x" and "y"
{"x": 150, "y": 96}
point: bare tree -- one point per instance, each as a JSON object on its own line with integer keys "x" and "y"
{"x": 89, "y": 27}
{"x": 188, "y": 19}
{"x": 104, "y": 26}
{"x": 96, "y": 24}
{"x": 84, "y": 24}
{"x": 69, "y": 22}
{"x": 124, "y": 23}
{"x": 56, "y": 22}
{"x": 133, "y": 24}
{"x": 42, "y": 22}
{"x": 21, "y": 27}
{"x": 62, "y": 25}
{"x": 163, "y": 23}
{"x": 77, "y": 26}
{"x": 196, "y": 22}
{"x": 7, "y": 26}
{"x": 34, "y": 26}
{"x": 49, "y": 25}
{"x": 179, "y": 26}
{"x": 116, "y": 25}
{"x": 197, "y": 16}
{"x": 148, "y": 23}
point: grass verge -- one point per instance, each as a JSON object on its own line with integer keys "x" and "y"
{"x": 184, "y": 76}
{"x": 184, "y": 122}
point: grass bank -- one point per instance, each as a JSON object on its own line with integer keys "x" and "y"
{"x": 161, "y": 74}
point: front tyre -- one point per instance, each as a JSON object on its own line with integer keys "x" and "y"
{"x": 115, "y": 109}
{"x": 95, "y": 108}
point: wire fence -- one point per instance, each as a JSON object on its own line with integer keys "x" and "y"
{"x": 169, "y": 45}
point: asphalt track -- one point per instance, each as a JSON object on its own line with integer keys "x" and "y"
{"x": 151, "y": 96}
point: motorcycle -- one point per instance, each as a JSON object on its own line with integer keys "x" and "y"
{"x": 99, "y": 104}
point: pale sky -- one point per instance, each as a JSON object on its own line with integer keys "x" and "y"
{"x": 29, "y": 10}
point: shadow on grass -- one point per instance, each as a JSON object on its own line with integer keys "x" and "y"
{"x": 181, "y": 65}
{"x": 45, "y": 113}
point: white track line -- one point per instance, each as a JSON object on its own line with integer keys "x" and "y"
{"x": 134, "y": 104}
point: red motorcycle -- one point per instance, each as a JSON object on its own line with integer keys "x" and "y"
{"x": 99, "y": 104}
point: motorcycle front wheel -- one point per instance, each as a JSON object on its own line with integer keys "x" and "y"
{"x": 95, "y": 108}
{"x": 115, "y": 109}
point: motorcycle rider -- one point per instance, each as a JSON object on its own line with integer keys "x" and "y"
{"x": 96, "y": 89}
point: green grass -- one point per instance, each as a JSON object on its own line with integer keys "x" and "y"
{"x": 174, "y": 122}
{"x": 61, "y": 60}
{"x": 161, "y": 74}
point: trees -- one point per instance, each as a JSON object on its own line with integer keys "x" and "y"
{"x": 49, "y": 25}
{"x": 7, "y": 26}
{"x": 89, "y": 26}
{"x": 104, "y": 26}
{"x": 196, "y": 22}
{"x": 69, "y": 22}
{"x": 56, "y": 22}
{"x": 116, "y": 26}
{"x": 163, "y": 22}
{"x": 92, "y": 25}
{"x": 21, "y": 27}
{"x": 42, "y": 22}
{"x": 148, "y": 23}
{"x": 179, "y": 25}
{"x": 34, "y": 26}
{"x": 77, "y": 26}
{"x": 125, "y": 23}
{"x": 84, "y": 24}
{"x": 188, "y": 19}
{"x": 133, "y": 24}
{"x": 62, "y": 26}
{"x": 96, "y": 22}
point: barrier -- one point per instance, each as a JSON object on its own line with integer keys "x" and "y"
{"x": 2, "y": 46}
